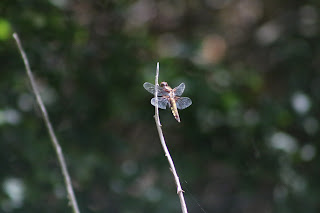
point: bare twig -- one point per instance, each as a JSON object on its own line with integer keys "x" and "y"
{"x": 55, "y": 143}
{"x": 165, "y": 149}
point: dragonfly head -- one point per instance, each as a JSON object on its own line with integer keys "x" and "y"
{"x": 163, "y": 84}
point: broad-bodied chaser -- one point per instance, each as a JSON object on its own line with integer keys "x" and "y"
{"x": 169, "y": 96}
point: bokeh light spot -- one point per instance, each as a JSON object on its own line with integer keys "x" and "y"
{"x": 308, "y": 152}
{"x": 300, "y": 103}
{"x": 284, "y": 142}
{"x": 5, "y": 29}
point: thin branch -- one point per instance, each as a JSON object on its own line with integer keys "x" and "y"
{"x": 165, "y": 149}
{"x": 55, "y": 143}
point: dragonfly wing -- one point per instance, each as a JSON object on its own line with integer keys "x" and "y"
{"x": 162, "y": 102}
{"x": 152, "y": 89}
{"x": 149, "y": 87}
{"x": 179, "y": 89}
{"x": 183, "y": 102}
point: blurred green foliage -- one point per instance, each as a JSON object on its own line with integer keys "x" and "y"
{"x": 248, "y": 143}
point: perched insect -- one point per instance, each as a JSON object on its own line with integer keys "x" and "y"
{"x": 169, "y": 96}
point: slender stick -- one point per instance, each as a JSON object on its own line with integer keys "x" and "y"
{"x": 55, "y": 143}
{"x": 165, "y": 149}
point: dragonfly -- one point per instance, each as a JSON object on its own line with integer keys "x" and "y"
{"x": 169, "y": 97}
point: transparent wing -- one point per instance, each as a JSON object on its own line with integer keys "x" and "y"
{"x": 179, "y": 89}
{"x": 152, "y": 89}
{"x": 162, "y": 102}
{"x": 183, "y": 102}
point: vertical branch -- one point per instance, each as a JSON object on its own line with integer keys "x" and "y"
{"x": 165, "y": 149}
{"x": 53, "y": 137}
{"x": 155, "y": 96}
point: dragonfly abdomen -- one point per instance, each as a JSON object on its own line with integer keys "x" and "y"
{"x": 174, "y": 109}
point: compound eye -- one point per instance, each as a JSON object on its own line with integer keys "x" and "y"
{"x": 163, "y": 84}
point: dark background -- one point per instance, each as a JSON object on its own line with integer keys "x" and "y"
{"x": 249, "y": 142}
